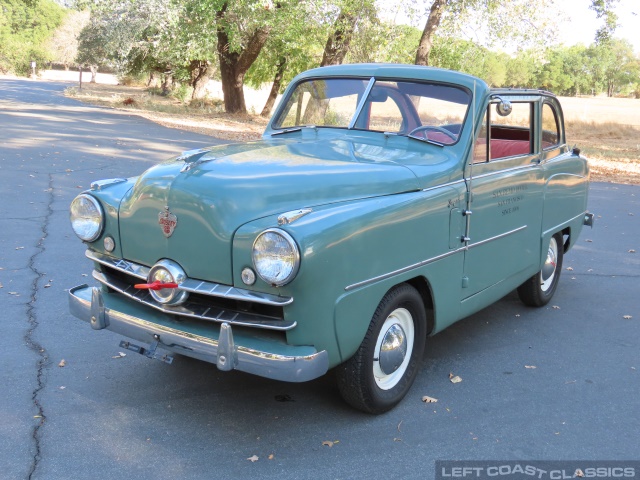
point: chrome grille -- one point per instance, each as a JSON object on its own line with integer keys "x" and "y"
{"x": 192, "y": 285}
{"x": 208, "y": 301}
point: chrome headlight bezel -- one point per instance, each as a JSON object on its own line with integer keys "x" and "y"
{"x": 264, "y": 266}
{"x": 96, "y": 216}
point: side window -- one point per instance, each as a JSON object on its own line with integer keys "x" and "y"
{"x": 511, "y": 135}
{"x": 550, "y": 130}
{"x": 507, "y": 136}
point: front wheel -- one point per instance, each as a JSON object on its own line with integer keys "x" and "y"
{"x": 538, "y": 290}
{"x": 385, "y": 365}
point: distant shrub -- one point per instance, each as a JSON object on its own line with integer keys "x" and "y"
{"x": 182, "y": 92}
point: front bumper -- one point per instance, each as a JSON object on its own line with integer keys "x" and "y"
{"x": 211, "y": 342}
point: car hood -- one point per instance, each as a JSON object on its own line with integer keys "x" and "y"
{"x": 213, "y": 192}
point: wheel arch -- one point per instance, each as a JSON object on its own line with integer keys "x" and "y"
{"x": 423, "y": 286}
{"x": 354, "y": 310}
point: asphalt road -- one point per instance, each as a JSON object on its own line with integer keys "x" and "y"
{"x": 118, "y": 418}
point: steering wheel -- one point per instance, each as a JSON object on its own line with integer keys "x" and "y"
{"x": 426, "y": 128}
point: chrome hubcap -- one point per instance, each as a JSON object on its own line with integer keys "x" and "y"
{"x": 548, "y": 272}
{"x": 393, "y": 349}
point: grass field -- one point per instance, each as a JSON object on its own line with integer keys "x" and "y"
{"x": 607, "y": 130}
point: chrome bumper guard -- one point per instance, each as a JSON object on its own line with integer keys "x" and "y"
{"x": 588, "y": 219}
{"x": 216, "y": 344}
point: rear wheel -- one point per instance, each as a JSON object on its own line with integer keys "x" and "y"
{"x": 385, "y": 365}
{"x": 538, "y": 290}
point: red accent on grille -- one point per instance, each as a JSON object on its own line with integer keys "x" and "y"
{"x": 157, "y": 285}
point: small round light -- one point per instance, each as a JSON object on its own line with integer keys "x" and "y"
{"x": 166, "y": 271}
{"x": 109, "y": 244}
{"x": 87, "y": 219}
{"x": 248, "y": 276}
{"x": 276, "y": 257}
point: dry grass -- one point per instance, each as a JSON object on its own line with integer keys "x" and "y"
{"x": 613, "y": 149}
{"x": 607, "y": 130}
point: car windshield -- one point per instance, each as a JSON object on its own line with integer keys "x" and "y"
{"x": 427, "y": 111}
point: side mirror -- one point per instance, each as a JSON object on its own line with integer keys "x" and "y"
{"x": 504, "y": 108}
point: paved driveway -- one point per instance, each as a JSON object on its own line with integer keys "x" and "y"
{"x": 104, "y": 417}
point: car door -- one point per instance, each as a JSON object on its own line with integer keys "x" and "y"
{"x": 505, "y": 182}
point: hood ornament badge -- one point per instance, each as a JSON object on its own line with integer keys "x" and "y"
{"x": 167, "y": 221}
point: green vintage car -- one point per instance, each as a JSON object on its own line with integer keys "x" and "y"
{"x": 383, "y": 203}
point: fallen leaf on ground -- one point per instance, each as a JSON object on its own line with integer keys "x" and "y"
{"x": 530, "y": 366}
{"x": 578, "y": 473}
{"x": 253, "y": 458}
{"x": 627, "y": 317}
{"x": 271, "y": 456}
{"x": 62, "y": 363}
{"x": 455, "y": 379}
{"x": 427, "y": 399}
{"x": 570, "y": 269}
{"x": 284, "y": 398}
{"x": 329, "y": 443}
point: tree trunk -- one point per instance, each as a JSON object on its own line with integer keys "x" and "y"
{"x": 234, "y": 65}
{"x": 200, "y": 75}
{"x": 167, "y": 82}
{"x": 275, "y": 88}
{"x": 338, "y": 42}
{"x": 94, "y": 73}
{"x": 153, "y": 79}
{"x": 426, "y": 41}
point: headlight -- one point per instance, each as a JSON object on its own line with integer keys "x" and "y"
{"x": 276, "y": 257}
{"x": 86, "y": 217}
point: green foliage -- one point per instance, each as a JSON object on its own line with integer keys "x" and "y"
{"x": 296, "y": 42}
{"x": 25, "y": 28}
{"x": 604, "y": 10}
{"x": 182, "y": 93}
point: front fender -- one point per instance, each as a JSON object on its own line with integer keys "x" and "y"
{"x": 351, "y": 254}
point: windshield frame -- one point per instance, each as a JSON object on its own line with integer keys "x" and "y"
{"x": 280, "y": 114}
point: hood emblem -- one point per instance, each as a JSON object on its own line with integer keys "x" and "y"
{"x": 167, "y": 221}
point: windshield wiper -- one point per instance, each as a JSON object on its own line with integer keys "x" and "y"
{"x": 286, "y": 130}
{"x": 424, "y": 140}
{"x": 291, "y": 130}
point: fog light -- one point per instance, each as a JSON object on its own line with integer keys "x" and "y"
{"x": 109, "y": 244}
{"x": 248, "y": 276}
